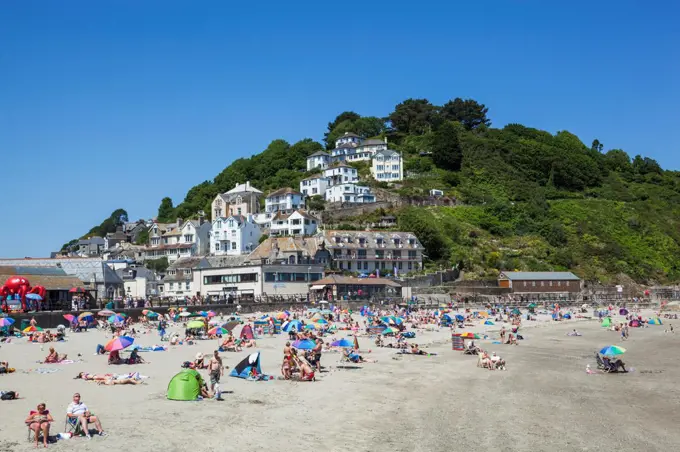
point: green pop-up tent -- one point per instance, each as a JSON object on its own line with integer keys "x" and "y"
{"x": 186, "y": 385}
{"x": 606, "y": 323}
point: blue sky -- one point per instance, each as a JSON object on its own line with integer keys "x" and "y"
{"x": 118, "y": 104}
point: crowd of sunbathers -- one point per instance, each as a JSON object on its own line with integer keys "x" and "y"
{"x": 485, "y": 360}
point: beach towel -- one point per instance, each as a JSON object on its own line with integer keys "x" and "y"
{"x": 153, "y": 348}
{"x": 63, "y": 361}
{"x": 42, "y": 370}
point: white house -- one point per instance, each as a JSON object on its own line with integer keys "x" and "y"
{"x": 243, "y": 199}
{"x": 348, "y": 138}
{"x": 284, "y": 200}
{"x": 296, "y": 223}
{"x": 366, "y": 150}
{"x": 387, "y": 166}
{"x": 179, "y": 279}
{"x": 340, "y": 174}
{"x": 318, "y": 160}
{"x": 351, "y": 193}
{"x": 187, "y": 238}
{"x": 314, "y": 185}
{"x": 234, "y": 235}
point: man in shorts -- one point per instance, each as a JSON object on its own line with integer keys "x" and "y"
{"x": 216, "y": 370}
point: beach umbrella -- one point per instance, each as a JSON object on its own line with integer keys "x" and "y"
{"x": 304, "y": 344}
{"x": 152, "y": 315}
{"x": 623, "y": 311}
{"x": 516, "y": 312}
{"x": 86, "y": 316}
{"x": 6, "y": 321}
{"x": 195, "y": 324}
{"x": 119, "y": 343}
{"x": 281, "y": 315}
{"x": 321, "y": 321}
{"x": 218, "y": 331}
{"x": 460, "y": 318}
{"x": 389, "y": 330}
{"x": 489, "y": 322}
{"x": 344, "y": 343}
{"x": 612, "y": 350}
{"x": 105, "y": 313}
{"x": 69, "y": 317}
{"x": 447, "y": 317}
{"x": 293, "y": 325}
{"x": 34, "y": 296}
{"x": 77, "y": 290}
{"x": 483, "y": 314}
{"x": 531, "y": 305}
{"x": 184, "y": 314}
{"x": 32, "y": 329}
{"x": 116, "y": 319}
{"x": 469, "y": 335}
{"x": 655, "y": 321}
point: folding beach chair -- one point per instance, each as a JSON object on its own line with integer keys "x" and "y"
{"x": 73, "y": 425}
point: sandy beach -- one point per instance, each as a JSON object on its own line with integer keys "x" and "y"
{"x": 545, "y": 400}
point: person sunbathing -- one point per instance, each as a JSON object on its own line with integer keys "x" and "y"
{"x": 54, "y": 357}
{"x": 416, "y": 351}
{"x": 248, "y": 343}
{"x": 120, "y": 380}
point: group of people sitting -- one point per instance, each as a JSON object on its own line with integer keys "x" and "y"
{"x": 77, "y": 414}
{"x": 46, "y": 336}
{"x": 231, "y": 344}
{"x": 297, "y": 366}
{"x": 491, "y": 362}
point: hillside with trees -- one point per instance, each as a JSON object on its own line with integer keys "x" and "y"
{"x": 526, "y": 199}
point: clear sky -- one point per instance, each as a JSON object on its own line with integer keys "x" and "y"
{"x": 109, "y": 104}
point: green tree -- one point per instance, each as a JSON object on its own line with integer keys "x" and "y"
{"x": 422, "y": 225}
{"x": 158, "y": 265}
{"x": 618, "y": 160}
{"x": 316, "y": 203}
{"x": 446, "y": 150}
{"x": 342, "y": 117}
{"x": 645, "y": 165}
{"x": 166, "y": 211}
{"x": 468, "y": 112}
{"x": 596, "y": 146}
{"x": 142, "y": 237}
{"x": 413, "y": 116}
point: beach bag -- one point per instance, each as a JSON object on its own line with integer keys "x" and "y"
{"x": 9, "y": 395}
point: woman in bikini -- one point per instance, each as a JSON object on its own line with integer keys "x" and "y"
{"x": 40, "y": 421}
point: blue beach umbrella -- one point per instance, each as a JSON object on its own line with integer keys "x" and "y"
{"x": 344, "y": 343}
{"x": 116, "y": 319}
{"x": 34, "y": 296}
{"x": 293, "y": 325}
{"x": 304, "y": 344}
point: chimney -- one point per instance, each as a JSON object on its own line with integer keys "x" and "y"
{"x": 201, "y": 220}
{"x": 247, "y": 185}
{"x": 180, "y": 222}
{"x": 236, "y": 185}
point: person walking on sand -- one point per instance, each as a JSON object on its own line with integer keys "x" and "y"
{"x": 216, "y": 370}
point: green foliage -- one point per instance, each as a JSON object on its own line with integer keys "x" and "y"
{"x": 447, "y": 153}
{"x": 413, "y": 220}
{"x": 367, "y": 126}
{"x": 413, "y": 117}
{"x": 157, "y": 265}
{"x": 316, "y": 203}
{"x": 468, "y": 112}
{"x": 142, "y": 237}
{"x": 117, "y": 218}
{"x": 263, "y": 237}
{"x": 166, "y": 211}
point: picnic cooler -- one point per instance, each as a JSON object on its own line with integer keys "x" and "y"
{"x": 457, "y": 342}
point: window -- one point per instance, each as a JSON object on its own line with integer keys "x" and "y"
{"x": 188, "y": 238}
{"x": 239, "y": 210}
{"x": 217, "y": 246}
{"x": 187, "y": 285}
{"x": 533, "y": 283}
{"x": 233, "y": 245}
{"x": 410, "y": 266}
{"x": 172, "y": 286}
